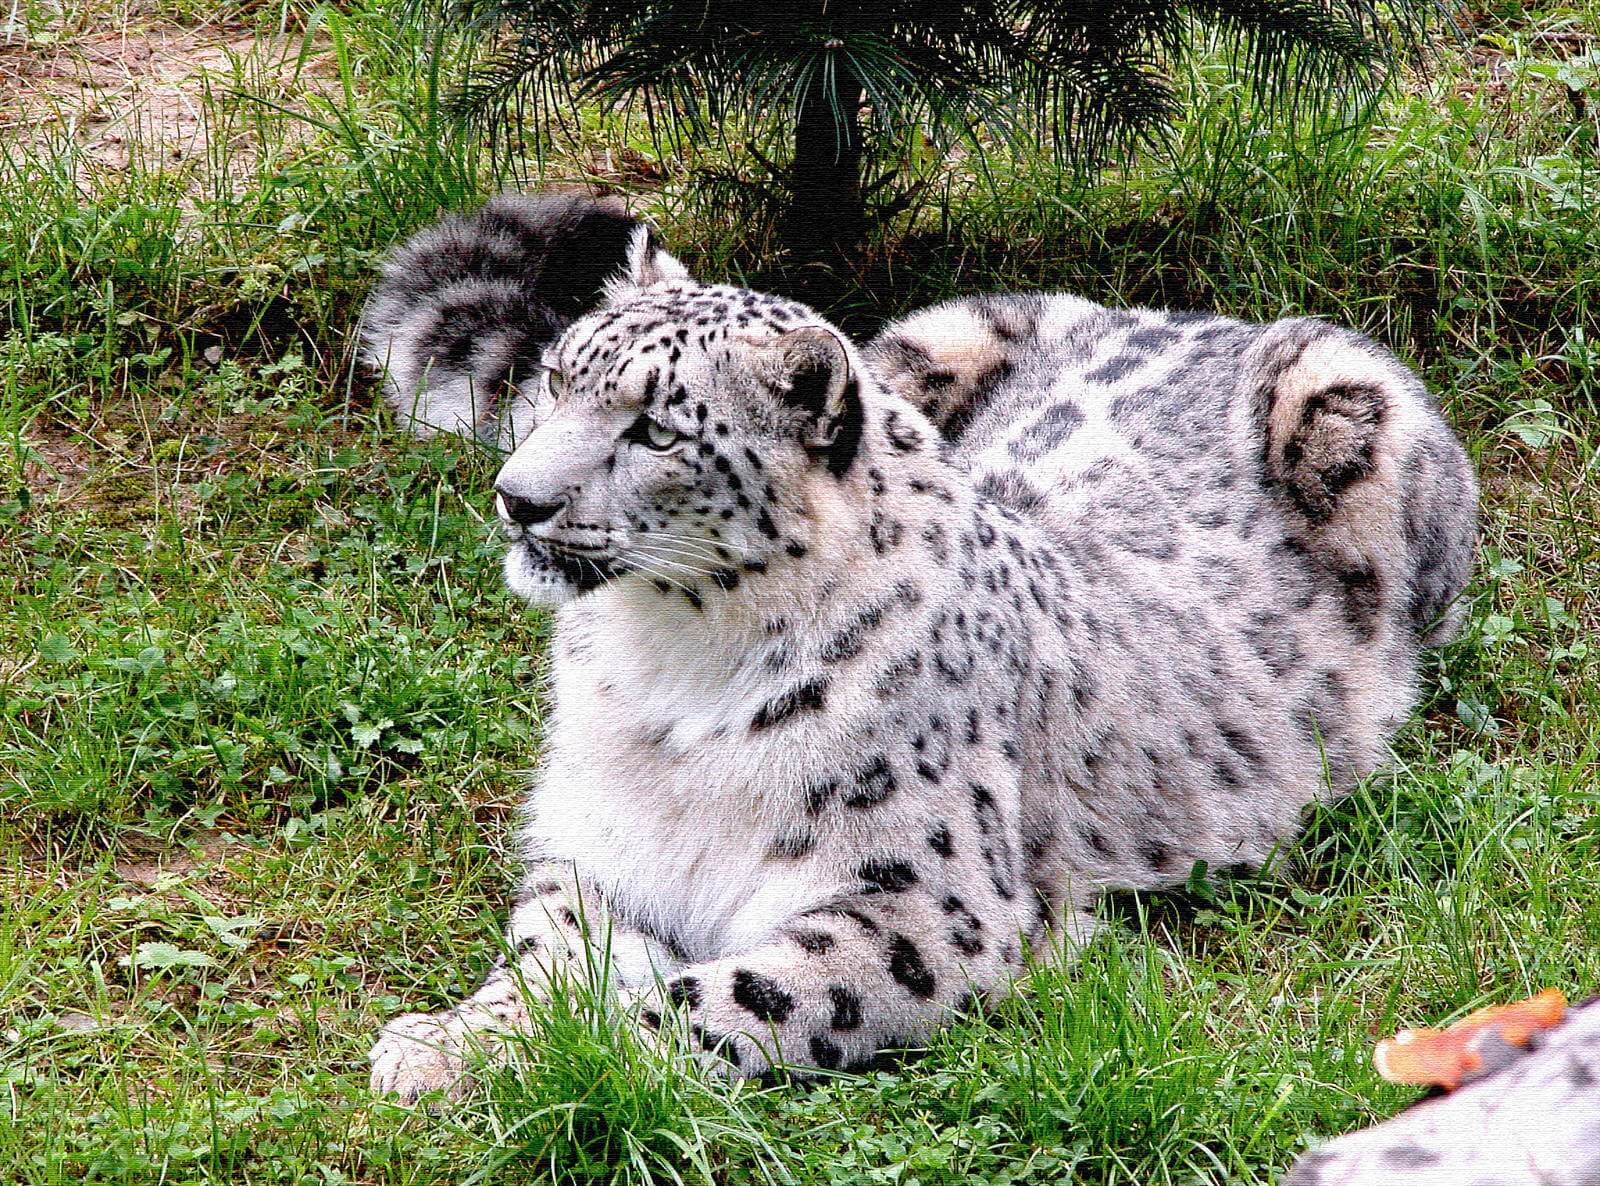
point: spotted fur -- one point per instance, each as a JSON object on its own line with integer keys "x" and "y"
{"x": 464, "y": 310}
{"x": 872, "y": 668}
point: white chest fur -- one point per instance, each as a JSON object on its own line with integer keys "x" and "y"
{"x": 653, "y": 786}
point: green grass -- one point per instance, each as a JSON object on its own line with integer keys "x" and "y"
{"x": 265, "y": 708}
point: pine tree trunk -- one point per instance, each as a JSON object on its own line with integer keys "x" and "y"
{"x": 826, "y": 209}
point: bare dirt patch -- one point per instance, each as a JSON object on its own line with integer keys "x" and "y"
{"x": 214, "y": 866}
{"x": 203, "y": 851}
{"x": 57, "y": 464}
{"x": 139, "y": 92}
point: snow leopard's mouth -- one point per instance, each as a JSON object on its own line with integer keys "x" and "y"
{"x": 583, "y": 568}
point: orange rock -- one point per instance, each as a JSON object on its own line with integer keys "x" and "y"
{"x": 1443, "y": 1058}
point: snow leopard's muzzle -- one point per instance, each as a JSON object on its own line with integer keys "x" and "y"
{"x": 547, "y": 560}
{"x": 583, "y": 571}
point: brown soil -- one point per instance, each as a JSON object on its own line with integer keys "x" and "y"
{"x": 129, "y": 90}
{"x": 204, "y": 850}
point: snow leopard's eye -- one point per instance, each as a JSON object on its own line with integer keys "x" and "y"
{"x": 557, "y": 381}
{"x": 658, "y": 438}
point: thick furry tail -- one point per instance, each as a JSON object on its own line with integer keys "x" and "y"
{"x": 462, "y": 312}
{"x": 1382, "y": 485}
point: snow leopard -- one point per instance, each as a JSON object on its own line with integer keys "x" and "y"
{"x": 463, "y": 310}
{"x": 874, "y": 667}
{"x": 1524, "y": 1114}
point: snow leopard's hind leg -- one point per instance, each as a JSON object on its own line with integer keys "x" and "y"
{"x": 1382, "y": 487}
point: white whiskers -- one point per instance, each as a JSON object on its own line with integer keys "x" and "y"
{"x": 670, "y": 562}
{"x": 642, "y": 563}
{"x": 684, "y": 560}
{"x": 704, "y": 549}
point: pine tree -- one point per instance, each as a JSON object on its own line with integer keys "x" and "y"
{"x": 835, "y": 80}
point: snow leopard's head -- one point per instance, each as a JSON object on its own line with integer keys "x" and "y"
{"x": 680, "y": 427}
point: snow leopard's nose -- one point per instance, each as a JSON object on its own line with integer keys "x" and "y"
{"x": 524, "y": 512}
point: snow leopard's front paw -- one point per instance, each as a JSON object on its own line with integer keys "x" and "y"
{"x": 418, "y": 1053}
{"x": 665, "y": 1033}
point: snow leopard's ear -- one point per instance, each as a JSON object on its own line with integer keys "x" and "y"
{"x": 820, "y": 382}
{"x": 648, "y": 262}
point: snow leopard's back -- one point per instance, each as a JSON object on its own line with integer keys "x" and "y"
{"x": 1265, "y": 524}
{"x": 1297, "y": 424}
